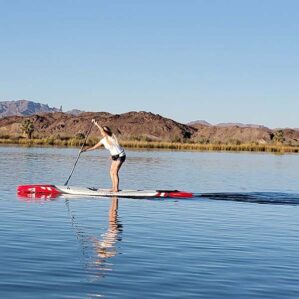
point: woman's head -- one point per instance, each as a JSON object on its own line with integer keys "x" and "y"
{"x": 106, "y": 131}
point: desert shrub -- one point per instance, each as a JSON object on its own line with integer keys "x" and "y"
{"x": 4, "y": 136}
{"x": 278, "y": 136}
{"x": 27, "y": 127}
{"x": 80, "y": 135}
{"x": 176, "y": 139}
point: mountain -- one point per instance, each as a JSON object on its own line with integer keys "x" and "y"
{"x": 232, "y": 134}
{"x": 75, "y": 112}
{"x": 24, "y": 107}
{"x": 241, "y": 125}
{"x": 199, "y": 122}
{"x": 131, "y": 125}
{"x": 144, "y": 126}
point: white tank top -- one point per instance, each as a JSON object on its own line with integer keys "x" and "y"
{"x": 112, "y": 146}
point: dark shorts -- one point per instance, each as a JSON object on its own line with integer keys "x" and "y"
{"x": 119, "y": 158}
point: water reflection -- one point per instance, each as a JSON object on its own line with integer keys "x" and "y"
{"x": 80, "y": 235}
{"x": 106, "y": 246}
{"x": 36, "y": 197}
{"x": 98, "y": 251}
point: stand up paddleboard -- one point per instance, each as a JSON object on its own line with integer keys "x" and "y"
{"x": 54, "y": 191}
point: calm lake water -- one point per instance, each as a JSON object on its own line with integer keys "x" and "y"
{"x": 242, "y": 242}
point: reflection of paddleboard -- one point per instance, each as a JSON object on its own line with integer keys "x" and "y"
{"x": 53, "y": 190}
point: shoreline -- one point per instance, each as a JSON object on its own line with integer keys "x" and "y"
{"x": 73, "y": 142}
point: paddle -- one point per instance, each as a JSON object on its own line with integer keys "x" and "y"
{"x": 81, "y": 149}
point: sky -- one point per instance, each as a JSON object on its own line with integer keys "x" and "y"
{"x": 213, "y": 60}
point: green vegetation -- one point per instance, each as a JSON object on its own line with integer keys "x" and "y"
{"x": 64, "y": 141}
{"x": 213, "y": 147}
{"x": 278, "y": 137}
{"x": 78, "y": 140}
{"x": 27, "y": 127}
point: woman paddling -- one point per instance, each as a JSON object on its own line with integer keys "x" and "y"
{"x": 118, "y": 155}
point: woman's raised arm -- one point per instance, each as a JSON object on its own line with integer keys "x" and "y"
{"x": 94, "y": 121}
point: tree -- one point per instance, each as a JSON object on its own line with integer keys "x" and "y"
{"x": 27, "y": 127}
{"x": 278, "y": 136}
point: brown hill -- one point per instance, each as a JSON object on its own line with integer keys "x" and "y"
{"x": 241, "y": 125}
{"x": 131, "y": 125}
{"x": 291, "y": 136}
{"x": 142, "y": 126}
{"x": 232, "y": 134}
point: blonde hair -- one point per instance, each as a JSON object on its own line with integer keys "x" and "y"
{"x": 110, "y": 134}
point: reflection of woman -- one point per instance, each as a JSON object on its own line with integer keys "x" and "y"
{"x": 118, "y": 155}
{"x": 105, "y": 248}
{"x": 101, "y": 248}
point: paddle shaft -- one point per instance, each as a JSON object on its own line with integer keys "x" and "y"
{"x": 67, "y": 181}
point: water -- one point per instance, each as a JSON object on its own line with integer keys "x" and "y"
{"x": 242, "y": 242}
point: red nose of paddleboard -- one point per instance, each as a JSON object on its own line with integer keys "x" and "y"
{"x": 38, "y": 189}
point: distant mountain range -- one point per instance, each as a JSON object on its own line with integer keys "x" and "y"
{"x": 26, "y": 108}
{"x": 144, "y": 126}
{"x": 199, "y": 122}
{"x": 224, "y": 125}
{"x": 132, "y": 125}
{"x": 23, "y": 108}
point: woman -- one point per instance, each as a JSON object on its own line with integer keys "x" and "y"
{"x": 118, "y": 155}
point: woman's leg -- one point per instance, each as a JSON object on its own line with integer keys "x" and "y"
{"x": 115, "y": 167}
{"x": 112, "y": 174}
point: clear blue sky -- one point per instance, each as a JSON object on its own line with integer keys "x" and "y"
{"x": 218, "y": 60}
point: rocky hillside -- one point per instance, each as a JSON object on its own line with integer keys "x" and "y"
{"x": 131, "y": 125}
{"x": 241, "y": 134}
{"x": 144, "y": 126}
{"x": 232, "y": 134}
{"x": 241, "y": 125}
{"x": 23, "y": 107}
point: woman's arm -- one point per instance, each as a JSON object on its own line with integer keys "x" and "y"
{"x": 99, "y": 144}
{"x": 94, "y": 121}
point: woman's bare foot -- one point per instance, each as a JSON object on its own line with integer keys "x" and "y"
{"x": 112, "y": 190}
